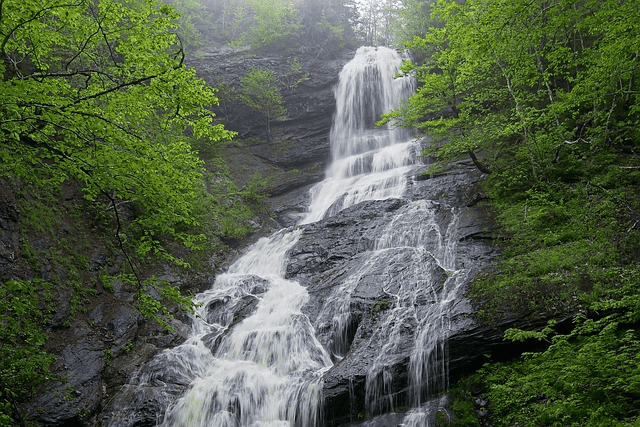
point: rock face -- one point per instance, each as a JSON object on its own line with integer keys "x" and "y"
{"x": 106, "y": 347}
{"x": 356, "y": 279}
{"x": 386, "y": 278}
{"x": 347, "y": 258}
{"x": 295, "y": 154}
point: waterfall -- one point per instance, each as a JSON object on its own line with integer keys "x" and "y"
{"x": 265, "y": 368}
{"x": 367, "y": 162}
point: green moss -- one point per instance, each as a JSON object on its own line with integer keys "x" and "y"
{"x": 107, "y": 355}
{"x": 441, "y": 419}
{"x": 381, "y": 306}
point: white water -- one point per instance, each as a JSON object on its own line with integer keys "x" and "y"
{"x": 266, "y": 370}
{"x": 368, "y": 163}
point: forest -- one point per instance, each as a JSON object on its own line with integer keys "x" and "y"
{"x": 542, "y": 96}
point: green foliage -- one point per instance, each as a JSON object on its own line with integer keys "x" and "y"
{"x": 507, "y": 81}
{"x": 101, "y": 94}
{"x": 565, "y": 241}
{"x": 25, "y": 306}
{"x": 128, "y": 347}
{"x": 191, "y": 15}
{"x": 410, "y": 18}
{"x": 516, "y": 82}
{"x": 544, "y": 98}
{"x": 107, "y": 355}
{"x": 154, "y": 296}
{"x": 381, "y": 305}
{"x": 260, "y": 91}
{"x": 96, "y": 98}
{"x": 327, "y": 24}
{"x": 590, "y": 377}
{"x": 263, "y": 23}
{"x": 464, "y": 413}
{"x": 294, "y": 76}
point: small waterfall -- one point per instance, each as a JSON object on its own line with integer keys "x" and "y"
{"x": 263, "y": 371}
{"x": 265, "y": 368}
{"x": 368, "y": 163}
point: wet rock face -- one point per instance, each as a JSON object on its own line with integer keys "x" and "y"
{"x": 296, "y": 153}
{"x": 96, "y": 353}
{"x": 358, "y": 256}
{"x": 9, "y": 231}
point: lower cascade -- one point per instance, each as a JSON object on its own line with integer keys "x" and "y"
{"x": 342, "y": 319}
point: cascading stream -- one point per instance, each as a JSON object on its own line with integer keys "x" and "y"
{"x": 266, "y": 369}
{"x": 367, "y": 162}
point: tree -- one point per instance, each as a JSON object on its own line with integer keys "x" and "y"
{"x": 516, "y": 77}
{"x": 267, "y": 23}
{"x": 96, "y": 92}
{"x": 327, "y": 25}
{"x": 99, "y": 93}
{"x": 259, "y": 88}
{"x": 191, "y": 14}
{"x": 410, "y": 18}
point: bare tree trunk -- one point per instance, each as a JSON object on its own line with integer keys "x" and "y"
{"x": 481, "y": 166}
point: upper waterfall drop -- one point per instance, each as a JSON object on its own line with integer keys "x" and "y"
{"x": 367, "y": 162}
{"x": 368, "y": 88}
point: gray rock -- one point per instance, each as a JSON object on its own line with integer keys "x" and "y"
{"x": 84, "y": 362}
{"x": 339, "y": 250}
{"x": 296, "y": 153}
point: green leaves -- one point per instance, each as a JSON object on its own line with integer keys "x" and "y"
{"x": 266, "y": 23}
{"x": 589, "y": 377}
{"x": 24, "y": 363}
{"x": 260, "y": 91}
{"x": 546, "y": 94}
{"x": 106, "y": 101}
{"x": 96, "y": 94}
{"x": 536, "y": 76}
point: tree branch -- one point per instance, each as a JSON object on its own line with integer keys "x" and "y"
{"x": 481, "y": 166}
{"x": 120, "y": 242}
{"x": 84, "y": 46}
{"x": 36, "y": 16}
{"x": 115, "y": 88}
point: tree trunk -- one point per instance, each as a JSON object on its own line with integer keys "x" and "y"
{"x": 481, "y": 166}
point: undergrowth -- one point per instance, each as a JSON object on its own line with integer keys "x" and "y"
{"x": 571, "y": 247}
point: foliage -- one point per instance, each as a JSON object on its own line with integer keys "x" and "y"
{"x": 409, "y": 18}
{"x": 589, "y": 377}
{"x": 99, "y": 93}
{"x": 263, "y": 24}
{"x": 464, "y": 414}
{"x": 294, "y": 76}
{"x": 24, "y": 364}
{"x": 512, "y": 81}
{"x": 327, "y": 25}
{"x": 543, "y": 97}
{"x": 260, "y": 91}
{"x": 565, "y": 241}
{"x": 506, "y": 84}
{"x": 190, "y": 19}
{"x": 95, "y": 96}
{"x": 320, "y": 25}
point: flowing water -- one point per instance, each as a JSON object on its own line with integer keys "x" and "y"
{"x": 266, "y": 369}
